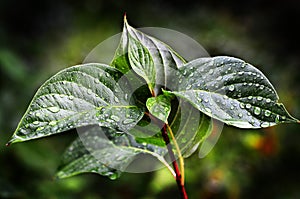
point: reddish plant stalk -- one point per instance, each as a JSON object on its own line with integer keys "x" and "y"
{"x": 174, "y": 163}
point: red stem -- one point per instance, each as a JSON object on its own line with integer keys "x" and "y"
{"x": 175, "y": 165}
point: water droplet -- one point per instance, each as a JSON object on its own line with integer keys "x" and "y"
{"x": 37, "y": 114}
{"x": 267, "y": 113}
{"x": 211, "y": 71}
{"x": 116, "y": 118}
{"x": 116, "y": 99}
{"x": 53, "y": 123}
{"x": 249, "y": 84}
{"x": 241, "y": 73}
{"x": 113, "y": 176}
{"x": 89, "y": 91}
{"x": 257, "y": 110}
{"x": 283, "y": 117}
{"x": 184, "y": 72}
{"x": 245, "y": 84}
{"x": 265, "y": 124}
{"x": 259, "y": 98}
{"x": 219, "y": 78}
{"x": 189, "y": 86}
{"x": 208, "y": 110}
{"x": 261, "y": 87}
{"x": 268, "y": 100}
{"x": 71, "y": 97}
{"x": 257, "y": 85}
{"x": 231, "y": 88}
{"x": 97, "y": 81}
{"x": 36, "y": 122}
{"x": 206, "y": 100}
{"x": 248, "y": 106}
{"x": 242, "y": 105}
{"x": 250, "y": 97}
{"x": 128, "y": 121}
{"x": 53, "y": 109}
{"x": 40, "y": 128}
{"x": 232, "y": 107}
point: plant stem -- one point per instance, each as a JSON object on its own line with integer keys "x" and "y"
{"x": 180, "y": 158}
{"x": 174, "y": 163}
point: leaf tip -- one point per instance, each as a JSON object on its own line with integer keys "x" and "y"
{"x": 125, "y": 18}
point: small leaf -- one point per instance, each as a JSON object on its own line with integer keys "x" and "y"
{"x": 78, "y": 96}
{"x": 165, "y": 59}
{"x": 141, "y": 62}
{"x": 232, "y": 91}
{"x": 160, "y": 107}
{"x": 104, "y": 151}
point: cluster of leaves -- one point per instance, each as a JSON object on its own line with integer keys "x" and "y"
{"x": 113, "y": 106}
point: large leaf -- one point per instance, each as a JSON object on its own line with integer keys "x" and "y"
{"x": 165, "y": 59}
{"x": 105, "y": 151}
{"x": 232, "y": 91}
{"x": 78, "y": 96}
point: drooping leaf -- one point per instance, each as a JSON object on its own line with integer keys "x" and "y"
{"x": 78, "y": 96}
{"x": 232, "y": 91}
{"x": 105, "y": 151}
{"x": 191, "y": 128}
{"x": 160, "y": 107}
{"x": 165, "y": 59}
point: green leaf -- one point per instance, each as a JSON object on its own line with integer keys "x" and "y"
{"x": 78, "y": 96}
{"x": 191, "y": 128}
{"x": 165, "y": 59}
{"x": 232, "y": 91}
{"x": 141, "y": 62}
{"x": 160, "y": 107}
{"x": 105, "y": 151}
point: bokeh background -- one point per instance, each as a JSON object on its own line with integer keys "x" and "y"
{"x": 39, "y": 38}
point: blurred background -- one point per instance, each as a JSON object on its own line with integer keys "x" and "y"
{"x": 39, "y": 38}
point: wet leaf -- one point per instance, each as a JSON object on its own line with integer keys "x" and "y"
{"x": 191, "y": 128}
{"x": 160, "y": 107}
{"x": 232, "y": 91}
{"x": 104, "y": 151}
{"x": 165, "y": 59}
{"x": 78, "y": 96}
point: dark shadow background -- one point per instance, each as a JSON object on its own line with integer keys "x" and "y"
{"x": 38, "y": 38}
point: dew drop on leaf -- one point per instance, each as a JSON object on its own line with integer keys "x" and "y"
{"x": 116, "y": 99}
{"x": 219, "y": 78}
{"x": 267, "y": 113}
{"x": 116, "y": 118}
{"x": 211, "y": 71}
{"x": 53, "y": 109}
{"x": 231, "y": 88}
{"x": 128, "y": 121}
{"x": 259, "y": 98}
{"x": 248, "y": 106}
{"x": 208, "y": 110}
{"x": 265, "y": 124}
{"x": 52, "y": 123}
{"x": 71, "y": 97}
{"x": 242, "y": 105}
{"x": 240, "y": 115}
{"x": 257, "y": 110}
{"x": 37, "y": 114}
{"x": 268, "y": 100}
{"x": 189, "y": 86}
{"x": 36, "y": 122}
